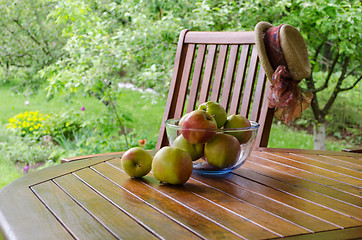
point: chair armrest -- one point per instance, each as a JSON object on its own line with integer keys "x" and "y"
{"x": 352, "y": 150}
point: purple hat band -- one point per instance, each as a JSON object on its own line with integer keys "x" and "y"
{"x": 272, "y": 47}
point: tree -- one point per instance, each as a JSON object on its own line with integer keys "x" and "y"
{"x": 333, "y": 32}
{"x": 99, "y": 43}
{"x": 29, "y": 41}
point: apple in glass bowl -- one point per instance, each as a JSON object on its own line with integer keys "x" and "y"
{"x": 224, "y": 152}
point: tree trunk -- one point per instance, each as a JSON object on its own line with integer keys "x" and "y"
{"x": 319, "y": 134}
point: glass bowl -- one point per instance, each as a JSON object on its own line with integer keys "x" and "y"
{"x": 224, "y": 154}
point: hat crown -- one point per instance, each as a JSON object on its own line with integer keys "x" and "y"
{"x": 293, "y": 48}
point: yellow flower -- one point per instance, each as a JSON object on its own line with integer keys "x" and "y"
{"x": 31, "y": 129}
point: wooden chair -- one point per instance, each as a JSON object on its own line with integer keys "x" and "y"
{"x": 222, "y": 67}
{"x": 218, "y": 66}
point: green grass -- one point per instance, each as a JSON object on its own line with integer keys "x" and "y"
{"x": 282, "y": 136}
{"x": 8, "y": 173}
{"x": 14, "y": 104}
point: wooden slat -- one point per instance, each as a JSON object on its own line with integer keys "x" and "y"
{"x": 347, "y": 233}
{"x": 341, "y": 161}
{"x": 220, "y": 37}
{"x": 208, "y": 73}
{"x": 78, "y": 222}
{"x": 265, "y": 120}
{"x": 229, "y": 76}
{"x": 196, "y": 77}
{"x": 291, "y": 186}
{"x": 171, "y": 102}
{"x": 230, "y": 220}
{"x": 307, "y": 207}
{"x": 240, "y": 190}
{"x": 258, "y": 96}
{"x": 119, "y": 223}
{"x": 21, "y": 213}
{"x": 182, "y": 94}
{"x": 128, "y": 201}
{"x": 334, "y": 178}
{"x": 267, "y": 169}
{"x": 307, "y": 175}
{"x": 176, "y": 211}
{"x": 239, "y": 79}
{"x": 249, "y": 86}
{"x": 219, "y": 73}
{"x": 313, "y": 161}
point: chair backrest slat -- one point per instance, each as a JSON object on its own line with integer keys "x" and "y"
{"x": 222, "y": 67}
{"x": 219, "y": 73}
{"x": 259, "y": 91}
{"x": 249, "y": 86}
{"x": 229, "y": 76}
{"x": 196, "y": 78}
{"x": 185, "y": 80}
{"x": 208, "y": 72}
{"x": 239, "y": 79}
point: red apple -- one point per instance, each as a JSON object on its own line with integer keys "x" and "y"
{"x": 183, "y": 119}
{"x": 172, "y": 165}
{"x": 222, "y": 151}
{"x": 198, "y": 127}
{"x": 238, "y": 121}
{"x": 136, "y": 162}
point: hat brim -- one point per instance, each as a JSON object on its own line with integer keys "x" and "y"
{"x": 259, "y": 31}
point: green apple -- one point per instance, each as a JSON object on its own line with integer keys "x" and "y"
{"x": 198, "y": 127}
{"x": 239, "y": 121}
{"x": 222, "y": 151}
{"x": 136, "y": 162}
{"x": 195, "y": 150}
{"x": 216, "y": 110}
{"x": 172, "y": 165}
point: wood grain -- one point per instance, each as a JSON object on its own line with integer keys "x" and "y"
{"x": 119, "y": 223}
{"x": 167, "y": 207}
{"x": 285, "y": 193}
{"x": 73, "y": 217}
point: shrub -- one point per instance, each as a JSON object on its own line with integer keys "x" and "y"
{"x": 29, "y": 123}
{"x": 15, "y": 149}
{"x": 65, "y": 124}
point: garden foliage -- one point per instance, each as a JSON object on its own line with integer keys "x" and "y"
{"x": 75, "y": 46}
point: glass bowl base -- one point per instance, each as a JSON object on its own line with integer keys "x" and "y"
{"x": 205, "y": 168}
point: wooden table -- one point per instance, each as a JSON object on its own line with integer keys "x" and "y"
{"x": 298, "y": 194}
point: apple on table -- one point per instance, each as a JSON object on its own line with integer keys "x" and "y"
{"x": 172, "y": 165}
{"x": 136, "y": 162}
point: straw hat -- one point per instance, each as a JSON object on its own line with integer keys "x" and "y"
{"x": 293, "y": 53}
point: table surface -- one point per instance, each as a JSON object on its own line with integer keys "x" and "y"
{"x": 276, "y": 193}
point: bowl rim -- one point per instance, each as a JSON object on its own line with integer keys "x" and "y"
{"x": 170, "y": 122}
